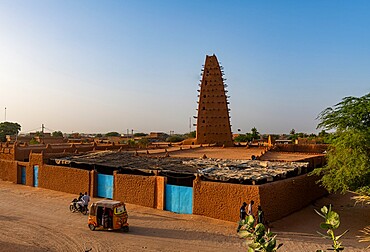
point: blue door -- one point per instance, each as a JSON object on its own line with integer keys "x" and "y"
{"x": 23, "y": 175}
{"x": 179, "y": 199}
{"x": 105, "y": 186}
{"x": 35, "y": 175}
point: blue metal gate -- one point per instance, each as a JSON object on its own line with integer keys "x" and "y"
{"x": 179, "y": 199}
{"x": 35, "y": 175}
{"x": 23, "y": 175}
{"x": 105, "y": 186}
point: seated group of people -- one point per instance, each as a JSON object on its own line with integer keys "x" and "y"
{"x": 105, "y": 217}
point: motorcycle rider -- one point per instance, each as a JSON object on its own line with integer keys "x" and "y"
{"x": 85, "y": 200}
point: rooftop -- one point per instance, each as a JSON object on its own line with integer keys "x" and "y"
{"x": 225, "y": 170}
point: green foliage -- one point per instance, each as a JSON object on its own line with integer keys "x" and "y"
{"x": 175, "y": 138}
{"x": 131, "y": 143}
{"x": 348, "y": 162}
{"x": 99, "y": 135}
{"x": 143, "y": 142}
{"x": 113, "y": 134}
{"x": 331, "y": 223}
{"x": 57, "y": 134}
{"x": 191, "y": 134}
{"x": 243, "y": 138}
{"x": 34, "y": 141}
{"x": 8, "y": 128}
{"x": 139, "y": 134}
{"x": 350, "y": 113}
{"x": 258, "y": 238}
{"x": 247, "y": 137}
{"x": 348, "y": 158}
{"x": 254, "y": 133}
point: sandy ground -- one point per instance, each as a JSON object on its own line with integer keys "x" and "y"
{"x": 35, "y": 219}
{"x": 287, "y": 156}
{"x": 217, "y": 152}
{"x": 227, "y": 153}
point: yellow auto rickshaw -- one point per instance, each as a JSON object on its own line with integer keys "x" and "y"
{"x": 108, "y": 215}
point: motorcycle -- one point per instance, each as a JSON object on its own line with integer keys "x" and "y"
{"x": 76, "y": 207}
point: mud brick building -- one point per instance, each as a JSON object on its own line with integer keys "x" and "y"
{"x": 213, "y": 121}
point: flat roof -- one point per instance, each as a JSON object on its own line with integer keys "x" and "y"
{"x": 128, "y": 160}
{"x": 225, "y": 170}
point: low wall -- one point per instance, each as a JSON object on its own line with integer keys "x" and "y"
{"x": 222, "y": 200}
{"x": 64, "y": 179}
{"x": 160, "y": 190}
{"x": 8, "y": 171}
{"x": 135, "y": 189}
{"x": 305, "y": 148}
{"x": 277, "y": 199}
{"x": 281, "y": 198}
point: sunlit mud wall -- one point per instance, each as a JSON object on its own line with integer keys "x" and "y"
{"x": 277, "y": 199}
{"x": 135, "y": 189}
{"x": 281, "y": 198}
{"x": 8, "y": 171}
{"x": 304, "y": 148}
{"x": 64, "y": 179}
{"x": 222, "y": 200}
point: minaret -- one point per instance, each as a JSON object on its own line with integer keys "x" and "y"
{"x": 213, "y": 121}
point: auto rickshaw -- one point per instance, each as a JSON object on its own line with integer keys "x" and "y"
{"x": 108, "y": 215}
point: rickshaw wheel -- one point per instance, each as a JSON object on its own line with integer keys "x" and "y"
{"x": 92, "y": 227}
{"x": 125, "y": 229}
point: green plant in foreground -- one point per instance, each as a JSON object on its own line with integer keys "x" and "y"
{"x": 331, "y": 223}
{"x": 258, "y": 238}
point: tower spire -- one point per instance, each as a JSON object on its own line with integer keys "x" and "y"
{"x": 213, "y": 120}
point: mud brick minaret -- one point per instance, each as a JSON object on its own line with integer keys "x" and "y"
{"x": 213, "y": 120}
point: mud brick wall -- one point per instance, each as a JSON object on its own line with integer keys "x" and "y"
{"x": 305, "y": 148}
{"x": 281, "y": 198}
{"x": 135, "y": 189}
{"x": 8, "y": 171}
{"x": 64, "y": 179}
{"x": 160, "y": 188}
{"x": 222, "y": 200}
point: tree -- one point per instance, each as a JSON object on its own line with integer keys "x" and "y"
{"x": 292, "y": 132}
{"x": 113, "y": 134}
{"x": 57, "y": 134}
{"x": 192, "y": 134}
{"x": 348, "y": 157}
{"x": 255, "y": 133}
{"x": 243, "y": 138}
{"x": 8, "y": 128}
{"x": 139, "y": 134}
{"x": 143, "y": 142}
{"x": 174, "y": 138}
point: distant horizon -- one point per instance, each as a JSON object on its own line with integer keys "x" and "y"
{"x": 101, "y": 66}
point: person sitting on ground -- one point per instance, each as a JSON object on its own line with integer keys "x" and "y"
{"x": 243, "y": 213}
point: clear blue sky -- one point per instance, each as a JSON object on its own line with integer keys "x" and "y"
{"x": 99, "y": 66}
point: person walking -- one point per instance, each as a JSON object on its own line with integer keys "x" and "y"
{"x": 250, "y": 208}
{"x": 260, "y": 215}
{"x": 243, "y": 214}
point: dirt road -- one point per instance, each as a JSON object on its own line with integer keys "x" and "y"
{"x": 35, "y": 219}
